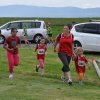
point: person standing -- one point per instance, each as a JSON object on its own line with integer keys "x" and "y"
{"x": 50, "y": 33}
{"x": 11, "y": 45}
{"x": 65, "y": 51}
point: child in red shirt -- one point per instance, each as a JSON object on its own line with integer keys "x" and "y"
{"x": 12, "y": 43}
{"x": 80, "y": 63}
{"x": 41, "y": 49}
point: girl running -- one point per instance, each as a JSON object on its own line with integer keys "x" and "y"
{"x": 41, "y": 49}
{"x": 11, "y": 45}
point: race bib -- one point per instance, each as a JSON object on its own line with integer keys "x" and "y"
{"x": 41, "y": 51}
{"x": 81, "y": 63}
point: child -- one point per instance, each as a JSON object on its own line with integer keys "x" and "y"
{"x": 25, "y": 36}
{"x": 41, "y": 49}
{"x": 80, "y": 63}
{"x": 12, "y": 44}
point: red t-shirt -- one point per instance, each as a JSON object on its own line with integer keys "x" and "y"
{"x": 65, "y": 44}
{"x": 41, "y": 49}
{"x": 80, "y": 62}
{"x": 13, "y": 42}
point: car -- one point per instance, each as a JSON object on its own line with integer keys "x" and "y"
{"x": 36, "y": 29}
{"x": 87, "y": 35}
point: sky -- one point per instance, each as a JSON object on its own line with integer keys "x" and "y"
{"x": 54, "y": 3}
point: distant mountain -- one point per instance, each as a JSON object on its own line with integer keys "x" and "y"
{"x": 55, "y": 12}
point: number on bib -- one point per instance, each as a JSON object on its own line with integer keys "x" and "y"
{"x": 81, "y": 63}
{"x": 40, "y": 51}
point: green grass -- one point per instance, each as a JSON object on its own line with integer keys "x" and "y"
{"x": 29, "y": 85}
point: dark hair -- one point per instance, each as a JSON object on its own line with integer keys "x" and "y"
{"x": 41, "y": 39}
{"x": 73, "y": 22}
{"x": 69, "y": 26}
{"x": 0, "y": 31}
{"x": 12, "y": 29}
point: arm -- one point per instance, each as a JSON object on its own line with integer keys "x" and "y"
{"x": 55, "y": 45}
{"x": 46, "y": 50}
{"x": 74, "y": 55}
{"x": 36, "y": 48}
{"x": 5, "y": 46}
{"x": 87, "y": 62}
{"x": 57, "y": 41}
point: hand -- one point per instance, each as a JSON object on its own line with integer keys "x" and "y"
{"x": 74, "y": 55}
{"x": 11, "y": 50}
{"x": 73, "y": 58}
{"x": 55, "y": 50}
{"x": 15, "y": 47}
{"x": 89, "y": 65}
{"x": 46, "y": 53}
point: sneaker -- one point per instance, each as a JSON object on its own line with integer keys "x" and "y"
{"x": 42, "y": 75}
{"x": 62, "y": 78}
{"x": 69, "y": 82}
{"x": 81, "y": 83}
{"x": 11, "y": 76}
{"x": 37, "y": 68}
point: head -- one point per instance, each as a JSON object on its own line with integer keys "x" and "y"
{"x": 42, "y": 41}
{"x": 69, "y": 26}
{"x": 79, "y": 50}
{"x": 73, "y": 22}
{"x": 49, "y": 24}
{"x": 13, "y": 32}
{"x": 66, "y": 29}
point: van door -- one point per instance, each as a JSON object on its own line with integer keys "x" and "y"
{"x": 91, "y": 36}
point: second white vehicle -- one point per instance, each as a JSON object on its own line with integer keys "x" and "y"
{"x": 87, "y": 35}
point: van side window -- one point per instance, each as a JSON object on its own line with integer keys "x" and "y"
{"x": 91, "y": 28}
{"x": 79, "y": 28}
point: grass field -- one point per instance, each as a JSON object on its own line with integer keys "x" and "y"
{"x": 29, "y": 85}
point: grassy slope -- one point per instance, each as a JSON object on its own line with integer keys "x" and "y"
{"x": 28, "y": 85}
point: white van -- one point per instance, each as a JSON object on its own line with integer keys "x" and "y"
{"x": 36, "y": 29}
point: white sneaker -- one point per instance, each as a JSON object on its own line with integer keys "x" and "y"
{"x": 62, "y": 78}
{"x": 69, "y": 82}
{"x": 11, "y": 76}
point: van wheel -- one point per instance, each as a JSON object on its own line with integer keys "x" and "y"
{"x": 77, "y": 44}
{"x": 2, "y": 39}
{"x": 37, "y": 38}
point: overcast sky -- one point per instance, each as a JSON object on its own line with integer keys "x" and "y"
{"x": 54, "y": 3}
